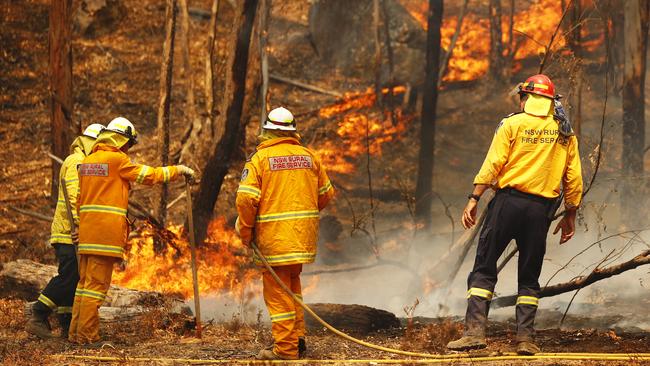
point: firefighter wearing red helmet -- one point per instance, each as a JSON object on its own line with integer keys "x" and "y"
{"x": 533, "y": 156}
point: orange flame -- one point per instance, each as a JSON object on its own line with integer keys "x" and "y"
{"x": 339, "y": 156}
{"x": 224, "y": 264}
{"x": 532, "y": 30}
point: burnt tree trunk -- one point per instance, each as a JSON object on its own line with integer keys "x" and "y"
{"x": 60, "y": 69}
{"x": 265, "y": 10}
{"x": 496, "y": 42}
{"x": 189, "y": 149}
{"x": 423, "y": 189}
{"x": 377, "y": 41}
{"x": 635, "y": 46}
{"x": 190, "y": 106}
{"x": 164, "y": 102}
{"x": 574, "y": 40}
{"x": 229, "y": 124}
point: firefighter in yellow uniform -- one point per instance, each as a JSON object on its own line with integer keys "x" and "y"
{"x": 533, "y": 156}
{"x": 283, "y": 187}
{"x": 58, "y": 295}
{"x": 105, "y": 178}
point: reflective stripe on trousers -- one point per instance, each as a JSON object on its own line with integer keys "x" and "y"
{"x": 287, "y": 317}
{"x": 95, "y": 279}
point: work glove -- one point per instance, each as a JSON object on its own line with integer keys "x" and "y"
{"x": 75, "y": 236}
{"x": 186, "y": 171}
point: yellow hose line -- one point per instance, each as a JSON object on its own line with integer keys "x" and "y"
{"x": 327, "y": 325}
{"x": 408, "y": 353}
{"x": 551, "y": 356}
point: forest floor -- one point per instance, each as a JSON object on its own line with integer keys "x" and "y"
{"x": 163, "y": 340}
{"x": 117, "y": 74}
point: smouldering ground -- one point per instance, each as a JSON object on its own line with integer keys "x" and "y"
{"x": 161, "y": 337}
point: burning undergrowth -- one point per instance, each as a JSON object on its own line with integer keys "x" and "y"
{"x": 532, "y": 28}
{"x": 225, "y": 265}
{"x": 360, "y": 128}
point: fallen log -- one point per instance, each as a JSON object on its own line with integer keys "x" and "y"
{"x": 582, "y": 281}
{"x": 24, "y": 279}
{"x": 357, "y": 319}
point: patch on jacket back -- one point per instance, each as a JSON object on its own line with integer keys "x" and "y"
{"x": 290, "y": 162}
{"x": 99, "y": 170}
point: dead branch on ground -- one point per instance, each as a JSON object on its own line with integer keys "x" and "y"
{"x": 305, "y": 86}
{"x": 596, "y": 275}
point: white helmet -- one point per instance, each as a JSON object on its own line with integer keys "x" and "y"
{"x": 93, "y": 130}
{"x": 124, "y": 127}
{"x": 280, "y": 119}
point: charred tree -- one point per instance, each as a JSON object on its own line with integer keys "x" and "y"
{"x": 164, "y": 101}
{"x": 424, "y": 185}
{"x": 635, "y": 48}
{"x": 229, "y": 122}
{"x": 265, "y": 10}
{"x": 574, "y": 40}
{"x": 496, "y": 42}
{"x": 190, "y": 106}
{"x": 60, "y": 69}
{"x": 190, "y": 145}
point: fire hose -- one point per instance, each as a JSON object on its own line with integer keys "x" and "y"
{"x": 327, "y": 325}
{"x": 439, "y": 357}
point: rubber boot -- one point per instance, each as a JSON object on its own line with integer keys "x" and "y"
{"x": 475, "y": 323}
{"x": 64, "y": 322}
{"x": 38, "y": 324}
{"x": 302, "y": 347}
{"x": 525, "y": 315}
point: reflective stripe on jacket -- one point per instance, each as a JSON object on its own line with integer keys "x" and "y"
{"x": 529, "y": 154}
{"x": 283, "y": 188}
{"x": 60, "y": 232}
{"x": 60, "y": 229}
{"x": 105, "y": 177}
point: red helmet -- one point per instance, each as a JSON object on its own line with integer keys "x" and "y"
{"x": 538, "y": 84}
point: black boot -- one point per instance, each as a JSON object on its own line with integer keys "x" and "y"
{"x": 525, "y": 314}
{"x": 475, "y": 324}
{"x": 38, "y": 324}
{"x": 302, "y": 347}
{"x": 64, "y": 321}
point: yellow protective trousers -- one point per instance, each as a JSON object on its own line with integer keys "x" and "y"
{"x": 95, "y": 274}
{"x": 287, "y": 317}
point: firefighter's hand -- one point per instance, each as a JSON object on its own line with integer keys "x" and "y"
{"x": 189, "y": 174}
{"x": 568, "y": 226}
{"x": 122, "y": 265}
{"x": 469, "y": 215}
{"x": 75, "y": 236}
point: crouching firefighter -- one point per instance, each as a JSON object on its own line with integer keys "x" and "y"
{"x": 58, "y": 295}
{"x": 283, "y": 187}
{"x": 105, "y": 178}
{"x": 533, "y": 154}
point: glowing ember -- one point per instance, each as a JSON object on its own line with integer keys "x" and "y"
{"x": 224, "y": 264}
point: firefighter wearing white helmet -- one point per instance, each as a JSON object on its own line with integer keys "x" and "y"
{"x": 283, "y": 222}
{"x": 105, "y": 178}
{"x": 280, "y": 119}
{"x": 58, "y": 295}
{"x": 123, "y": 127}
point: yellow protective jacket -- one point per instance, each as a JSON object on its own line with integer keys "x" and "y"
{"x": 529, "y": 154}
{"x": 105, "y": 177}
{"x": 60, "y": 230}
{"x": 282, "y": 189}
